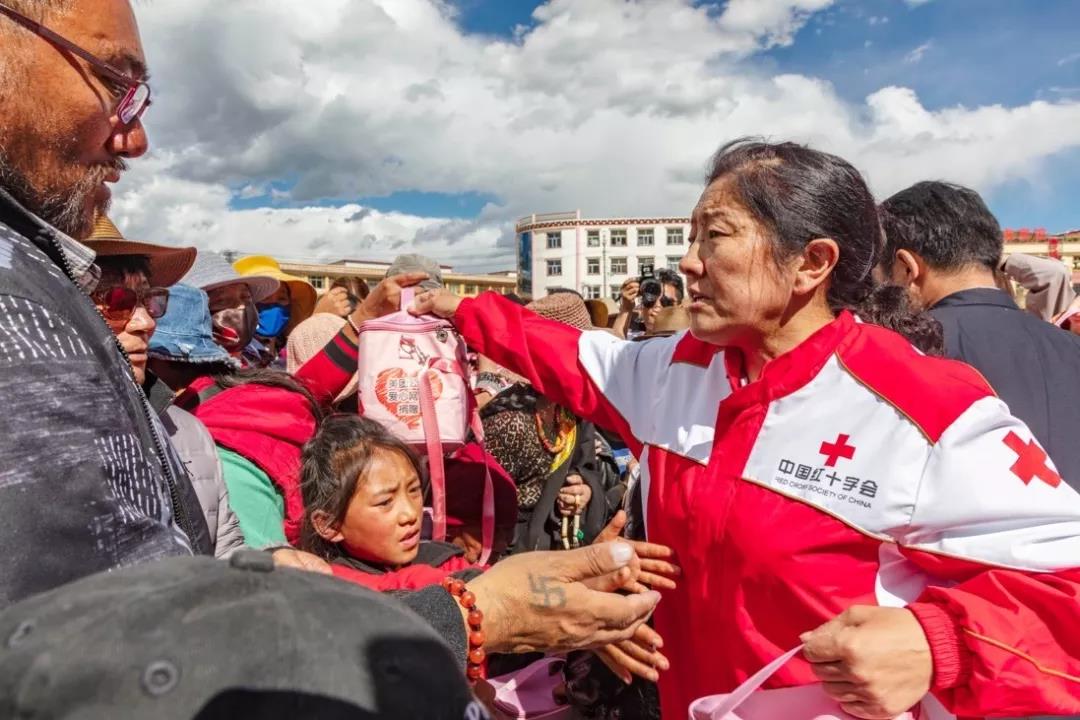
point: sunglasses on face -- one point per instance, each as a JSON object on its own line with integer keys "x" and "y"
{"x": 664, "y": 301}
{"x": 134, "y": 95}
{"x": 117, "y": 304}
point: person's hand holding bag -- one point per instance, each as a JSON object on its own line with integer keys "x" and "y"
{"x": 874, "y": 661}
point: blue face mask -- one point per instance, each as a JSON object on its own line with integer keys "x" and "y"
{"x": 272, "y": 320}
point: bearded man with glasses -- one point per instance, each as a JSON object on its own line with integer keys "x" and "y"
{"x": 88, "y": 481}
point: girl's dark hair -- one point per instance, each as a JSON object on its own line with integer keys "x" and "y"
{"x": 270, "y": 378}
{"x": 331, "y": 466}
{"x": 798, "y": 194}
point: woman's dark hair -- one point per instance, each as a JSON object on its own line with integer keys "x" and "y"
{"x": 270, "y": 378}
{"x": 331, "y": 466}
{"x": 519, "y": 397}
{"x": 798, "y": 194}
{"x": 891, "y": 306}
{"x": 355, "y": 286}
{"x": 114, "y": 268}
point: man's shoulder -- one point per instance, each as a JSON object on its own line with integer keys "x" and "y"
{"x": 25, "y": 271}
{"x": 1003, "y": 330}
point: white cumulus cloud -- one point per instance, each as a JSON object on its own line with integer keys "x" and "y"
{"x": 604, "y": 105}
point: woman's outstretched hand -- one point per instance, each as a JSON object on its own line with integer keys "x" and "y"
{"x": 441, "y": 303}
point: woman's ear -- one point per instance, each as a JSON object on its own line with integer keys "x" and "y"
{"x": 817, "y": 260}
{"x": 325, "y": 527}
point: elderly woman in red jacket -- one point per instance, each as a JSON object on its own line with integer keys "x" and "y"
{"x": 820, "y": 480}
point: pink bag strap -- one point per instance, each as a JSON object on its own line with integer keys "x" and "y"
{"x": 436, "y": 469}
{"x": 715, "y": 707}
{"x": 487, "y": 534}
{"x": 407, "y": 295}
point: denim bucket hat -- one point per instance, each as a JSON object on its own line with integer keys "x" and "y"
{"x": 185, "y": 333}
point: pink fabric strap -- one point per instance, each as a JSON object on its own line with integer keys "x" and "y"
{"x": 488, "y": 522}
{"x": 436, "y": 469}
{"x": 407, "y": 295}
{"x": 719, "y": 706}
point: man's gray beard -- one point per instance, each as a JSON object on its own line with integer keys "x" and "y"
{"x": 64, "y": 210}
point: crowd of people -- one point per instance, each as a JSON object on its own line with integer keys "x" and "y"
{"x": 835, "y": 429}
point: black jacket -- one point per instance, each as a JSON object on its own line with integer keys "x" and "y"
{"x": 87, "y": 480}
{"x": 541, "y": 527}
{"x": 1032, "y": 365}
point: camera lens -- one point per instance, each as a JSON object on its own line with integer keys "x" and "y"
{"x": 650, "y": 290}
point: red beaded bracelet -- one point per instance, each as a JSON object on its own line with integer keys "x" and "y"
{"x": 476, "y": 665}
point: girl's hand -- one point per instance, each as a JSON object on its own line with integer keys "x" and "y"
{"x": 441, "y": 303}
{"x": 658, "y": 570}
{"x": 385, "y": 298}
{"x": 640, "y": 655}
{"x": 335, "y": 302}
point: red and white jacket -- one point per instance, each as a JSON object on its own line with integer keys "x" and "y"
{"x": 854, "y": 471}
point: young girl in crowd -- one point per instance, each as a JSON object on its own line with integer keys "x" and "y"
{"x": 363, "y": 499}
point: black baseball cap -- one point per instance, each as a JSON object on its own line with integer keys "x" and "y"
{"x": 210, "y": 639}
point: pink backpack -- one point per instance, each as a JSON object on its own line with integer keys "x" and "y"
{"x": 412, "y": 379}
{"x": 805, "y": 702}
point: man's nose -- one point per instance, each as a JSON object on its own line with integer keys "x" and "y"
{"x": 128, "y": 141}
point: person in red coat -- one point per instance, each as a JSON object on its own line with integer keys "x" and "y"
{"x": 363, "y": 499}
{"x": 820, "y": 481}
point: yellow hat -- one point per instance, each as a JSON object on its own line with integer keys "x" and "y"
{"x": 301, "y": 292}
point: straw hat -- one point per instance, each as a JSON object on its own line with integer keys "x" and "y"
{"x": 167, "y": 264}
{"x": 301, "y": 292}
{"x": 566, "y": 307}
{"x": 309, "y": 338}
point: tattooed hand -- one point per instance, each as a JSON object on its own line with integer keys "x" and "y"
{"x": 561, "y": 601}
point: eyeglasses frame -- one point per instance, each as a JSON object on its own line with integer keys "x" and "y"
{"x": 55, "y": 38}
{"x": 140, "y": 302}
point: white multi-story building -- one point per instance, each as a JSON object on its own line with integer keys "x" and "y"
{"x": 594, "y": 256}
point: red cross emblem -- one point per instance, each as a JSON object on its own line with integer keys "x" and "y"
{"x": 835, "y": 451}
{"x": 1031, "y": 461}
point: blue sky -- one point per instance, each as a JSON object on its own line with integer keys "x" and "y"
{"x": 391, "y": 125}
{"x": 951, "y": 52}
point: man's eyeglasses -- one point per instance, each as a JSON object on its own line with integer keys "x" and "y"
{"x": 136, "y": 93}
{"x": 664, "y": 301}
{"x": 118, "y": 303}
